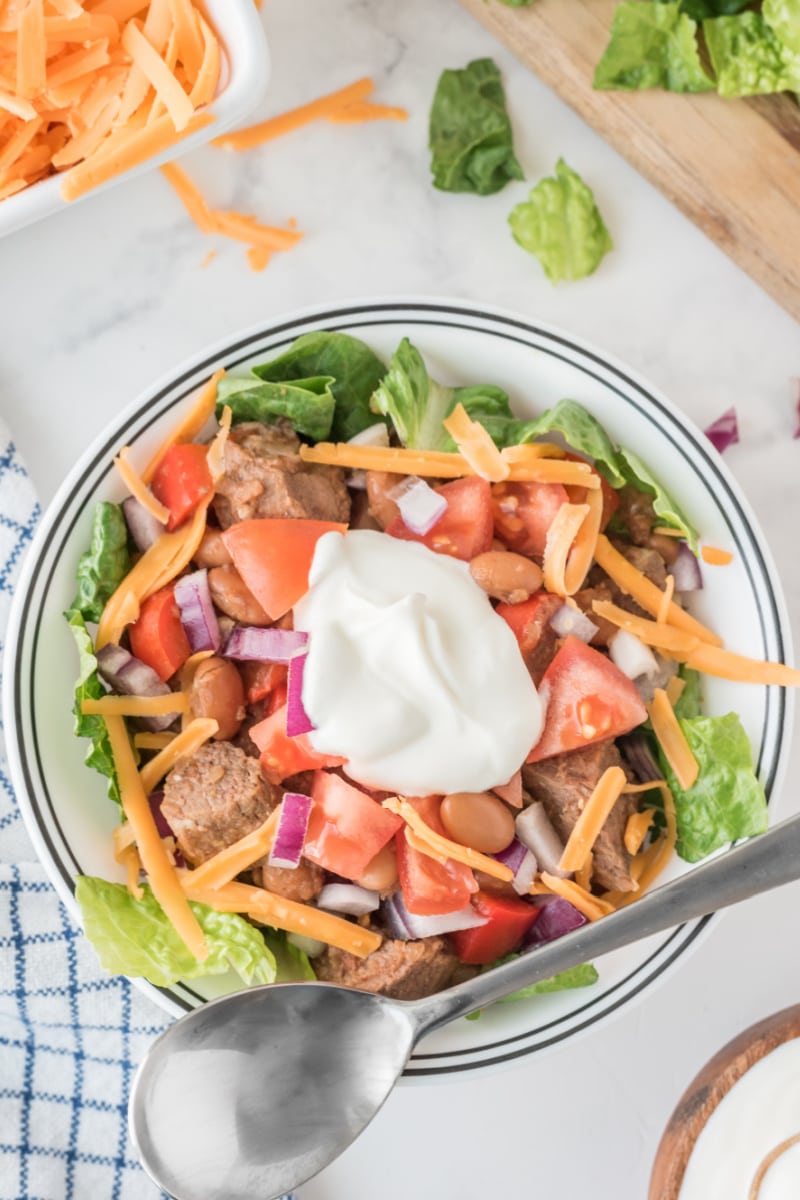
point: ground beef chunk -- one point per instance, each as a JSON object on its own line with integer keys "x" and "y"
{"x": 636, "y": 514}
{"x": 646, "y": 560}
{"x": 302, "y": 883}
{"x": 585, "y": 599}
{"x": 564, "y": 784}
{"x": 402, "y": 970}
{"x": 264, "y": 476}
{"x": 214, "y": 798}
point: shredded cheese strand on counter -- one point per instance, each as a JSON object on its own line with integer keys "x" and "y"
{"x": 593, "y": 817}
{"x": 160, "y": 872}
{"x": 269, "y": 909}
{"x": 442, "y": 846}
{"x": 672, "y": 739}
{"x": 296, "y": 118}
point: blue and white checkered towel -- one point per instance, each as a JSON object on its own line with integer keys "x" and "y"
{"x": 70, "y": 1036}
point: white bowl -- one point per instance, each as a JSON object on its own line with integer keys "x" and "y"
{"x": 64, "y": 804}
{"x": 243, "y": 81}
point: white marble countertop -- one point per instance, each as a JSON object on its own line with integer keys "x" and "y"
{"x": 99, "y": 301}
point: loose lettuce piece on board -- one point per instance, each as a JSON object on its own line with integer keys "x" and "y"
{"x": 652, "y": 45}
{"x": 748, "y": 56}
{"x": 105, "y": 564}
{"x": 561, "y": 225}
{"x": 726, "y": 801}
{"x": 469, "y": 133}
{"x": 134, "y": 937}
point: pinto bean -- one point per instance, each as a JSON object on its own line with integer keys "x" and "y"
{"x": 212, "y": 551}
{"x": 479, "y": 820}
{"x": 217, "y": 692}
{"x": 506, "y": 576}
{"x": 231, "y": 596}
{"x": 380, "y": 874}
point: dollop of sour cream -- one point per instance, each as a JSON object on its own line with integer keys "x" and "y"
{"x": 411, "y": 675}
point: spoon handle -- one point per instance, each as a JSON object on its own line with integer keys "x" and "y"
{"x": 763, "y": 863}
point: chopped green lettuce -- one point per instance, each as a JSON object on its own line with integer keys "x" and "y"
{"x": 749, "y": 57}
{"x": 105, "y": 564}
{"x": 353, "y": 371}
{"x": 726, "y": 802}
{"x": 291, "y": 963}
{"x": 308, "y": 403}
{"x": 561, "y": 225}
{"x": 783, "y": 17}
{"x": 583, "y": 434}
{"x": 698, "y": 10}
{"x": 575, "y": 977}
{"x": 652, "y": 45}
{"x": 417, "y": 404}
{"x": 88, "y": 686}
{"x": 470, "y": 136}
{"x": 637, "y": 474}
{"x": 134, "y": 937}
{"x": 690, "y": 699}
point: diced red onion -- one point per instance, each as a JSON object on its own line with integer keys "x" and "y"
{"x": 420, "y": 506}
{"x": 556, "y": 917}
{"x": 795, "y": 386}
{"x": 409, "y": 926}
{"x": 373, "y": 435}
{"x": 142, "y": 525}
{"x": 631, "y": 655}
{"x": 535, "y": 831}
{"x": 249, "y": 642}
{"x": 129, "y": 676}
{"x": 636, "y": 751}
{"x": 287, "y": 847}
{"x": 724, "y": 432}
{"x": 297, "y": 719}
{"x": 163, "y": 827}
{"x": 568, "y": 620}
{"x": 348, "y": 898}
{"x": 686, "y": 570}
{"x": 513, "y": 855}
{"x": 198, "y": 617}
{"x": 525, "y": 874}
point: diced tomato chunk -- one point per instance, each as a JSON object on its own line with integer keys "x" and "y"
{"x": 529, "y": 619}
{"x": 430, "y": 887}
{"x": 346, "y": 827}
{"x": 158, "y": 637}
{"x": 465, "y": 529}
{"x": 281, "y": 755}
{"x": 182, "y": 479}
{"x": 262, "y": 680}
{"x": 273, "y": 556}
{"x": 588, "y": 700}
{"x": 523, "y": 513}
{"x": 508, "y": 920}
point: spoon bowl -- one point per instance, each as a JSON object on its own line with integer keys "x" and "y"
{"x": 255, "y": 1093}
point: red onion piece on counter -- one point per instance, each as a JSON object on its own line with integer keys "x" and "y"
{"x": 348, "y": 898}
{"x": 568, "y": 620}
{"x": 420, "y": 506}
{"x": 631, "y": 655}
{"x": 142, "y": 525}
{"x": 686, "y": 571}
{"x": 556, "y": 917}
{"x": 249, "y": 642}
{"x": 198, "y": 617}
{"x": 723, "y": 432}
{"x": 535, "y": 831}
{"x": 297, "y": 719}
{"x": 291, "y": 832}
{"x": 409, "y": 926}
{"x": 129, "y": 676}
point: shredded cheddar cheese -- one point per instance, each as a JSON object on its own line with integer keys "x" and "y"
{"x": 560, "y": 537}
{"x": 135, "y": 706}
{"x": 715, "y": 557}
{"x": 138, "y": 488}
{"x": 592, "y": 907}
{"x": 666, "y": 600}
{"x": 672, "y": 739}
{"x": 224, "y": 866}
{"x": 664, "y": 637}
{"x": 675, "y": 689}
{"x": 475, "y": 445}
{"x": 711, "y": 660}
{"x": 160, "y": 872}
{"x": 152, "y": 741}
{"x": 444, "y": 847}
{"x": 190, "y": 425}
{"x": 636, "y": 829}
{"x": 183, "y": 745}
{"x": 595, "y": 813}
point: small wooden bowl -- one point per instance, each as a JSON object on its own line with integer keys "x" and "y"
{"x": 705, "y": 1092}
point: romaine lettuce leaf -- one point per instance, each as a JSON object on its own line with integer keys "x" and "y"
{"x": 698, "y": 10}
{"x": 354, "y": 370}
{"x": 417, "y": 404}
{"x": 470, "y": 135}
{"x": 308, "y": 403}
{"x": 134, "y": 937}
{"x": 690, "y": 699}
{"x": 637, "y": 474}
{"x": 783, "y": 17}
{"x": 652, "y": 45}
{"x": 561, "y": 225}
{"x": 576, "y": 977}
{"x": 290, "y": 961}
{"x": 748, "y": 56}
{"x": 726, "y": 801}
{"x": 582, "y": 433}
{"x": 88, "y": 686}
{"x": 105, "y": 564}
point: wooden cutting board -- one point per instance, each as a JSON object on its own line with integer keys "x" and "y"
{"x": 732, "y": 166}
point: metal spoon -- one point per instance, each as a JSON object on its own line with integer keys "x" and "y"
{"x": 250, "y": 1095}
